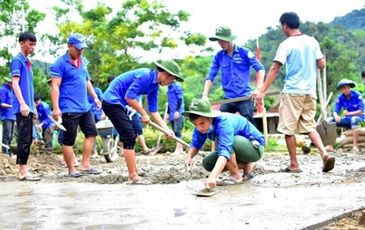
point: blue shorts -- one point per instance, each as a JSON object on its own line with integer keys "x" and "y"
{"x": 137, "y": 124}
{"x": 177, "y": 126}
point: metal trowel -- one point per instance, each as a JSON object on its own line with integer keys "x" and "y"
{"x": 205, "y": 192}
{"x": 57, "y": 123}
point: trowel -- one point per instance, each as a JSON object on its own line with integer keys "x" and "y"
{"x": 57, "y": 123}
{"x": 205, "y": 192}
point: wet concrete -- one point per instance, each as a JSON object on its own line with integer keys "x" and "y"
{"x": 247, "y": 206}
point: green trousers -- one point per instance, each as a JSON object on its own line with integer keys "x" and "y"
{"x": 244, "y": 150}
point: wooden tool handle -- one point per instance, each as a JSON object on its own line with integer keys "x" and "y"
{"x": 156, "y": 126}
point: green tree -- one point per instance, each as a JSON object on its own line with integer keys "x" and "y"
{"x": 119, "y": 39}
{"x": 16, "y": 16}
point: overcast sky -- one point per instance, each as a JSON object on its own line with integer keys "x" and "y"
{"x": 248, "y": 19}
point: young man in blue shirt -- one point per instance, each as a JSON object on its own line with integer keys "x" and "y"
{"x": 350, "y": 103}
{"x": 235, "y": 63}
{"x": 22, "y": 74}
{"x": 298, "y": 101}
{"x": 70, "y": 87}
{"x": 239, "y": 143}
{"x": 7, "y": 114}
{"x": 124, "y": 90}
{"x": 175, "y": 109}
{"x": 44, "y": 112}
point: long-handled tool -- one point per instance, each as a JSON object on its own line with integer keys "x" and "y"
{"x": 156, "y": 126}
{"x": 4, "y": 145}
{"x": 57, "y": 123}
{"x": 245, "y": 98}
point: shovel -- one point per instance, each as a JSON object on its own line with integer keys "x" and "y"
{"x": 57, "y": 123}
{"x": 156, "y": 126}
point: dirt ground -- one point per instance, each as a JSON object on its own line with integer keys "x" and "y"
{"x": 164, "y": 168}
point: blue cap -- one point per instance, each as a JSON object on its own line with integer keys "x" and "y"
{"x": 77, "y": 40}
{"x": 345, "y": 81}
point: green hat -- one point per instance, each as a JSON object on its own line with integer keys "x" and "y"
{"x": 345, "y": 81}
{"x": 171, "y": 67}
{"x": 7, "y": 79}
{"x": 223, "y": 33}
{"x": 203, "y": 108}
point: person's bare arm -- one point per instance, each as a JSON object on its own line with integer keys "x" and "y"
{"x": 260, "y": 76}
{"x": 259, "y": 94}
{"x": 207, "y": 85}
{"x": 55, "y": 95}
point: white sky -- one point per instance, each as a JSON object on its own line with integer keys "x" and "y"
{"x": 248, "y": 19}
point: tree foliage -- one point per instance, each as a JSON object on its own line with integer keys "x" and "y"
{"x": 119, "y": 38}
{"x": 16, "y": 16}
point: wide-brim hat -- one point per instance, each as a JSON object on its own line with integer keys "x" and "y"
{"x": 203, "y": 108}
{"x": 7, "y": 79}
{"x": 223, "y": 33}
{"x": 171, "y": 67}
{"x": 348, "y": 82}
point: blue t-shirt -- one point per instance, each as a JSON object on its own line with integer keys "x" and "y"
{"x": 300, "y": 54}
{"x": 6, "y": 96}
{"x": 130, "y": 85}
{"x": 235, "y": 71}
{"x": 353, "y": 103}
{"x": 22, "y": 67}
{"x": 174, "y": 93}
{"x": 44, "y": 111}
{"x": 94, "y": 107}
{"x": 73, "y": 89}
{"x": 225, "y": 127}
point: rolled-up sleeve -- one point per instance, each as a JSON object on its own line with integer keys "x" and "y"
{"x": 198, "y": 139}
{"x": 225, "y": 133}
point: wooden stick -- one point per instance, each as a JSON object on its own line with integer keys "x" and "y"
{"x": 245, "y": 98}
{"x": 160, "y": 135}
{"x": 156, "y": 126}
{"x": 264, "y": 124}
{"x": 325, "y": 106}
{"x": 320, "y": 93}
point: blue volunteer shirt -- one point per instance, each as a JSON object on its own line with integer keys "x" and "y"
{"x": 44, "y": 111}
{"x": 353, "y": 103}
{"x": 235, "y": 71}
{"x": 94, "y": 107}
{"x": 130, "y": 85}
{"x": 22, "y": 67}
{"x": 174, "y": 94}
{"x": 73, "y": 89}
{"x": 225, "y": 127}
{"x": 6, "y": 96}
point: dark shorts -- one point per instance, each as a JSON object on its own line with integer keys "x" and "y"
{"x": 72, "y": 120}
{"x": 245, "y": 108}
{"x": 121, "y": 122}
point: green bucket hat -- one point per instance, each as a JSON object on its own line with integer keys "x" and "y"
{"x": 7, "y": 79}
{"x": 203, "y": 108}
{"x": 223, "y": 33}
{"x": 345, "y": 81}
{"x": 171, "y": 67}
